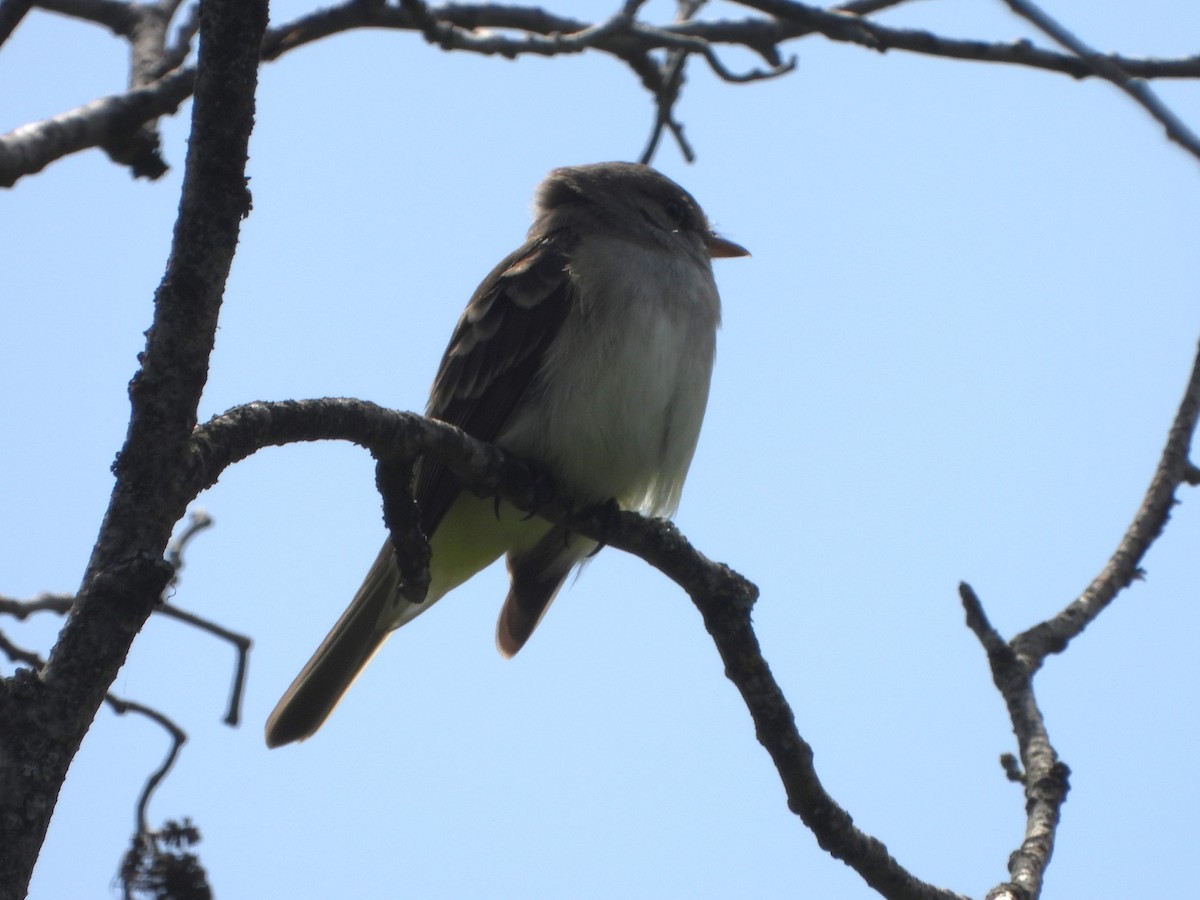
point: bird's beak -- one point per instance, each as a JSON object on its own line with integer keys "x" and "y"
{"x": 721, "y": 248}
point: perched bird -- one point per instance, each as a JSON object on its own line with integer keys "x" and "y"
{"x": 588, "y": 350}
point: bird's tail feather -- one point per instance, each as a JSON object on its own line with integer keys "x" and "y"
{"x": 536, "y": 576}
{"x": 374, "y": 613}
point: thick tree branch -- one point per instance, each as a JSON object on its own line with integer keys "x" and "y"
{"x": 47, "y": 715}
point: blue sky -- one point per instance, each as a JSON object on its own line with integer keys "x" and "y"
{"x": 954, "y": 355}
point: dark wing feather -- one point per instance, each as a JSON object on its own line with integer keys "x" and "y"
{"x": 493, "y": 356}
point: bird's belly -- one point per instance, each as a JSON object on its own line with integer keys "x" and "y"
{"x": 620, "y": 417}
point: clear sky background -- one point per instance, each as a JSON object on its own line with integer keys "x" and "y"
{"x": 971, "y": 309}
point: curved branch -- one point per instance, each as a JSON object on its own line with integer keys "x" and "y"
{"x": 1015, "y": 663}
{"x": 1173, "y": 470}
{"x": 723, "y": 597}
{"x": 178, "y": 739}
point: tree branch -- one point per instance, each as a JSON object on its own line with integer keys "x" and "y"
{"x": 723, "y": 597}
{"x": 1174, "y": 469}
{"x": 46, "y": 717}
{"x": 11, "y": 14}
{"x": 511, "y": 31}
{"x": 104, "y": 122}
{"x": 121, "y": 706}
{"x": 1111, "y": 71}
{"x": 1045, "y": 777}
{"x": 178, "y": 739}
{"x": 789, "y": 20}
{"x": 1015, "y": 663}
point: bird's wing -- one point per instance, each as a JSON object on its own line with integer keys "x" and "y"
{"x": 493, "y": 356}
{"x": 495, "y": 353}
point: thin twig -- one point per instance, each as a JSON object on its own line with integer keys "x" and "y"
{"x": 666, "y": 92}
{"x": 509, "y": 31}
{"x": 46, "y": 602}
{"x": 1173, "y": 470}
{"x": 19, "y": 654}
{"x": 120, "y": 706}
{"x": 198, "y": 521}
{"x": 1108, "y": 69}
{"x": 241, "y": 644}
{"x": 178, "y": 739}
{"x": 789, "y": 20}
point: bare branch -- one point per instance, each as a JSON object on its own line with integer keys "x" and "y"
{"x": 866, "y": 7}
{"x": 178, "y": 739}
{"x": 791, "y": 20}
{"x": 11, "y": 14}
{"x": 1045, "y": 777}
{"x": 509, "y": 31}
{"x": 23, "y": 609}
{"x": 104, "y": 122}
{"x": 47, "y": 717}
{"x": 1015, "y": 663}
{"x": 61, "y": 605}
{"x": 1174, "y": 469}
{"x": 1111, "y": 71}
{"x": 198, "y": 521}
{"x": 723, "y": 597}
{"x": 241, "y": 644}
{"x": 120, "y": 706}
{"x": 19, "y": 654}
{"x": 664, "y": 83}
{"x": 118, "y": 17}
{"x": 176, "y": 52}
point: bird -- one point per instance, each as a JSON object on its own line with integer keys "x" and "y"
{"x": 588, "y": 350}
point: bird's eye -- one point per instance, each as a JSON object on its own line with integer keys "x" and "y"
{"x": 675, "y": 210}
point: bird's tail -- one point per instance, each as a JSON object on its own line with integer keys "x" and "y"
{"x": 375, "y": 612}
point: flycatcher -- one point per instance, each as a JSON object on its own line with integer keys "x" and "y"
{"x": 588, "y": 350}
